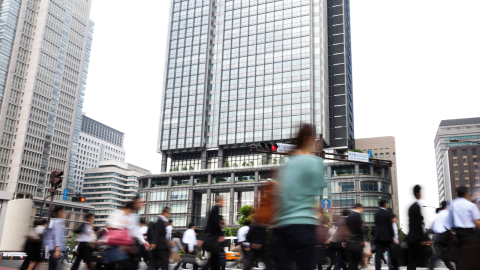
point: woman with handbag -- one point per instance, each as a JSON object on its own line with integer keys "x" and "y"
{"x": 119, "y": 240}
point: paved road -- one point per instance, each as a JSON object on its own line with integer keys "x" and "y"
{"x": 10, "y": 265}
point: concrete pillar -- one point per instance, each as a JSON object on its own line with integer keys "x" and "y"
{"x": 209, "y": 179}
{"x": 190, "y": 206}
{"x": 357, "y": 170}
{"x": 209, "y": 197}
{"x": 220, "y": 158}
{"x": 264, "y": 158}
{"x": 371, "y": 171}
{"x": 170, "y": 182}
{"x": 383, "y": 172}
{"x": 232, "y": 175}
{"x": 191, "y": 180}
{"x": 257, "y": 177}
{"x": 163, "y": 167}
{"x": 204, "y": 159}
{"x": 150, "y": 182}
{"x": 232, "y": 206}
{"x": 255, "y": 197}
{"x": 329, "y": 171}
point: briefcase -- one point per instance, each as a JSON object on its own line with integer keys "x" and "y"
{"x": 189, "y": 258}
{"x": 321, "y": 255}
{"x": 354, "y": 247}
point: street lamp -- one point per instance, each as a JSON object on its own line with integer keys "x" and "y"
{"x": 464, "y": 141}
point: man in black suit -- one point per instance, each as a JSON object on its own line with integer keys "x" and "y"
{"x": 415, "y": 235}
{"x": 159, "y": 243}
{"x": 355, "y": 222}
{"x": 384, "y": 236}
{"x": 214, "y": 229}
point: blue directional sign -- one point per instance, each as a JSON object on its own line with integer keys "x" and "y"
{"x": 370, "y": 153}
{"x": 326, "y": 204}
{"x": 65, "y": 194}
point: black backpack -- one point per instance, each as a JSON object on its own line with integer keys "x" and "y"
{"x": 151, "y": 229}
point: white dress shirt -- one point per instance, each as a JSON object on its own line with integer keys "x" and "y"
{"x": 464, "y": 213}
{"x": 442, "y": 222}
{"x": 134, "y": 226}
{"x": 143, "y": 231}
{"x": 169, "y": 229}
{"x": 189, "y": 238}
{"x": 395, "y": 231}
{"x": 87, "y": 235}
{"x": 242, "y": 234}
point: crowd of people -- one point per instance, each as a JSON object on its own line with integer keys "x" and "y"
{"x": 288, "y": 231}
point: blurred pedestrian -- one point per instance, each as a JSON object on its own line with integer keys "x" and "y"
{"x": 54, "y": 237}
{"x": 143, "y": 229}
{"x": 342, "y": 235}
{"x": 465, "y": 218}
{"x": 134, "y": 227}
{"x": 176, "y": 247}
{"x": 391, "y": 253}
{"x": 214, "y": 234}
{"x": 257, "y": 237}
{"x": 65, "y": 253}
{"x": 415, "y": 237}
{"x": 301, "y": 182}
{"x": 33, "y": 245}
{"x": 384, "y": 235}
{"x": 441, "y": 236}
{"x": 85, "y": 238}
{"x": 74, "y": 252}
{"x": 159, "y": 242}
{"x": 355, "y": 223}
{"x": 169, "y": 230}
{"x": 242, "y": 241}
{"x": 190, "y": 241}
{"x": 322, "y": 246}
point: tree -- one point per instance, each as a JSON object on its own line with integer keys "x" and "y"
{"x": 191, "y": 168}
{"x": 246, "y": 212}
{"x": 234, "y": 231}
{"x": 327, "y": 217}
{"x": 354, "y": 150}
{"x": 228, "y": 232}
{"x": 369, "y": 233}
{"x": 73, "y": 241}
{"x": 227, "y": 164}
{"x": 401, "y": 236}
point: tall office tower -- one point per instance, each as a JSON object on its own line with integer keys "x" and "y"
{"x": 342, "y": 134}
{"x": 467, "y": 129}
{"x": 97, "y": 142}
{"x": 44, "y": 61}
{"x": 384, "y": 148}
{"x": 239, "y": 72}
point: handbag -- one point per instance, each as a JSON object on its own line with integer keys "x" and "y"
{"x": 97, "y": 256}
{"x": 210, "y": 243}
{"x": 119, "y": 237}
{"x": 320, "y": 255}
{"x": 189, "y": 258}
{"x": 354, "y": 247}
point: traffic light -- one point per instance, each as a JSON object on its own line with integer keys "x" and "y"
{"x": 270, "y": 147}
{"x": 78, "y": 198}
{"x": 56, "y": 178}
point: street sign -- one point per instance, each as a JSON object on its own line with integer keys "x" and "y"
{"x": 358, "y": 156}
{"x": 65, "y": 194}
{"x": 285, "y": 148}
{"x": 326, "y": 204}
{"x": 370, "y": 153}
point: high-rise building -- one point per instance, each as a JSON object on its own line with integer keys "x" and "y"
{"x": 455, "y": 129}
{"x": 384, "y": 148}
{"x": 44, "y": 61}
{"x": 97, "y": 142}
{"x": 239, "y": 72}
{"x": 110, "y": 186}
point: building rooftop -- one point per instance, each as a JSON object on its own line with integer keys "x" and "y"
{"x": 458, "y": 122}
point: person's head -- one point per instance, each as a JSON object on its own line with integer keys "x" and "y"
{"x": 358, "y": 207}
{"x": 383, "y": 203}
{"x": 170, "y": 222}
{"x": 197, "y": 232}
{"x": 96, "y": 229}
{"x": 305, "y": 140}
{"x": 177, "y": 235}
{"x": 394, "y": 218}
{"x": 137, "y": 203}
{"x": 166, "y": 212}
{"x": 443, "y": 206}
{"x": 191, "y": 226}
{"x": 345, "y": 212}
{"x": 417, "y": 192}
{"x": 59, "y": 212}
{"x": 219, "y": 201}
{"x": 90, "y": 217}
{"x": 247, "y": 222}
{"x": 141, "y": 222}
{"x": 462, "y": 192}
{"x": 38, "y": 223}
{"x": 129, "y": 207}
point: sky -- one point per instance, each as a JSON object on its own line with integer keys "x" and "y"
{"x": 413, "y": 66}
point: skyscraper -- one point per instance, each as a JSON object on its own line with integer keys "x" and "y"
{"x": 239, "y": 72}
{"x": 44, "y": 54}
{"x": 97, "y": 142}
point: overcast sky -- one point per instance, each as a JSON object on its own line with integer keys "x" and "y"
{"x": 414, "y": 64}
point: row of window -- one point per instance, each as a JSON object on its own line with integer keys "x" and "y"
{"x": 340, "y": 187}
{"x": 464, "y": 152}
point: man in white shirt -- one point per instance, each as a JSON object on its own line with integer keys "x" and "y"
{"x": 190, "y": 241}
{"x": 169, "y": 229}
{"x": 242, "y": 241}
{"x": 465, "y": 219}
{"x": 439, "y": 227}
{"x": 143, "y": 231}
{"x": 85, "y": 236}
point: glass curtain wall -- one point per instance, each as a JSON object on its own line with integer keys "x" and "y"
{"x": 225, "y": 210}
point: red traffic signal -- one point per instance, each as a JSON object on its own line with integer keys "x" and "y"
{"x": 78, "y": 198}
{"x": 274, "y": 148}
{"x": 82, "y": 199}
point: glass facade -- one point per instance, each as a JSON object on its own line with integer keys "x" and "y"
{"x": 242, "y": 71}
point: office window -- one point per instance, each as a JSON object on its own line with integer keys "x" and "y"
{"x": 381, "y": 155}
{"x": 342, "y": 187}
{"x": 464, "y": 160}
{"x": 475, "y": 159}
{"x": 155, "y": 208}
{"x": 387, "y": 154}
{"x": 376, "y": 155}
{"x": 343, "y": 202}
{"x": 455, "y": 161}
{"x": 178, "y": 208}
{"x": 179, "y": 221}
{"x": 464, "y": 152}
{"x": 457, "y": 183}
{"x": 456, "y": 175}
{"x": 454, "y": 153}
{"x": 467, "y": 182}
{"x": 179, "y": 195}
{"x": 474, "y": 151}
{"x": 158, "y": 196}
{"x": 455, "y": 168}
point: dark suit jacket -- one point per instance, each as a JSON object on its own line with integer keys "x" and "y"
{"x": 343, "y": 233}
{"x": 415, "y": 229}
{"x": 322, "y": 233}
{"x": 160, "y": 235}
{"x": 213, "y": 223}
{"x": 354, "y": 222}
{"x": 383, "y": 223}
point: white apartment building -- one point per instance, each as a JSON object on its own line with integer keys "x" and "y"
{"x": 44, "y": 60}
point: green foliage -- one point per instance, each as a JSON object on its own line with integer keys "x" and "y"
{"x": 252, "y": 163}
{"x": 235, "y": 165}
{"x": 227, "y": 164}
{"x": 228, "y": 232}
{"x": 184, "y": 168}
{"x": 234, "y": 231}
{"x": 327, "y": 217}
{"x": 244, "y": 164}
{"x": 73, "y": 241}
{"x": 369, "y": 233}
{"x": 246, "y": 212}
{"x": 401, "y": 236}
{"x": 274, "y": 161}
{"x": 191, "y": 168}
{"x": 354, "y": 150}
